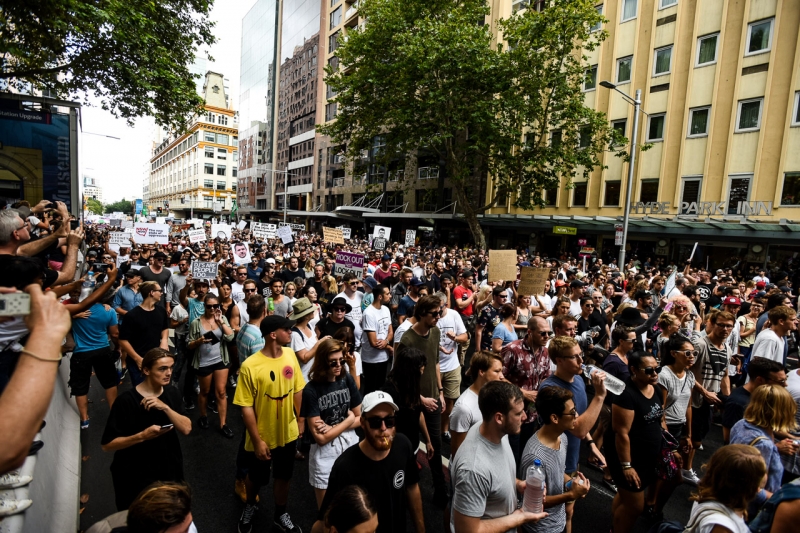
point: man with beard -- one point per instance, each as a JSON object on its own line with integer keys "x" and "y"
{"x": 383, "y": 464}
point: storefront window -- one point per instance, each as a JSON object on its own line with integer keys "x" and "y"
{"x": 791, "y": 189}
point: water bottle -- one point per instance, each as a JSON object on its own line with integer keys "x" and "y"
{"x": 271, "y": 304}
{"x": 533, "y": 501}
{"x": 88, "y": 287}
{"x": 613, "y": 385}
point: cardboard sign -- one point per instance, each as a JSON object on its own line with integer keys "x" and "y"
{"x": 264, "y": 231}
{"x": 203, "y": 270}
{"x": 241, "y": 225}
{"x": 285, "y": 233}
{"x": 378, "y": 243}
{"x": 532, "y": 280}
{"x": 411, "y": 237}
{"x": 333, "y": 235}
{"x": 197, "y": 235}
{"x": 502, "y": 265}
{"x": 295, "y": 227}
{"x": 345, "y": 231}
{"x": 161, "y": 220}
{"x": 221, "y": 231}
{"x": 349, "y": 262}
{"x": 120, "y": 238}
{"x": 151, "y": 233}
{"x": 241, "y": 253}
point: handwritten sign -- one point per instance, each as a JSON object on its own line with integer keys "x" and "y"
{"x": 532, "y": 280}
{"x": 198, "y": 224}
{"x": 295, "y": 227}
{"x": 285, "y": 233}
{"x": 411, "y": 237}
{"x": 221, "y": 231}
{"x": 264, "y": 231}
{"x": 116, "y": 222}
{"x": 345, "y": 231}
{"x": 122, "y": 238}
{"x": 333, "y": 235}
{"x": 349, "y": 262}
{"x": 127, "y": 224}
{"x": 379, "y": 243}
{"x": 197, "y": 235}
{"x": 241, "y": 225}
{"x": 502, "y": 265}
{"x": 151, "y": 233}
{"x": 203, "y": 270}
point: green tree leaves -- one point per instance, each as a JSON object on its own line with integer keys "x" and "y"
{"x": 123, "y": 206}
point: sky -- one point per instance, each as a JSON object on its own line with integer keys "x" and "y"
{"x": 119, "y": 164}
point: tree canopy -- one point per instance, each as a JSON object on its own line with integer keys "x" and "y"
{"x": 123, "y": 206}
{"x": 133, "y": 55}
{"x": 94, "y": 206}
{"x": 429, "y": 75}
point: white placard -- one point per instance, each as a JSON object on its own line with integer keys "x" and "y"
{"x": 381, "y": 231}
{"x": 221, "y": 231}
{"x": 120, "y": 238}
{"x": 151, "y": 233}
{"x": 204, "y": 270}
{"x": 241, "y": 253}
{"x": 161, "y": 220}
{"x": 198, "y": 224}
{"x": 285, "y": 233}
{"x": 196, "y": 235}
{"x": 411, "y": 236}
{"x": 127, "y": 224}
{"x": 345, "y": 231}
{"x": 264, "y": 231}
{"x": 241, "y": 225}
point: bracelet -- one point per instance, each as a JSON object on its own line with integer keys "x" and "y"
{"x": 40, "y": 358}
{"x": 441, "y": 389}
{"x": 629, "y": 467}
{"x": 625, "y": 464}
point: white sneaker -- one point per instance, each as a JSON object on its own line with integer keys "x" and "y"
{"x": 690, "y": 476}
{"x": 9, "y": 507}
{"x": 14, "y": 480}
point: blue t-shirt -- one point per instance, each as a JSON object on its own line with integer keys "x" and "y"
{"x": 406, "y": 306}
{"x": 91, "y": 333}
{"x": 127, "y": 299}
{"x": 578, "y": 390}
{"x": 501, "y": 332}
{"x": 196, "y": 309}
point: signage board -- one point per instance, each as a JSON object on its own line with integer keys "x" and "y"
{"x": 618, "y": 235}
{"x": 532, "y": 280}
{"x": 502, "y": 265}
{"x": 261, "y": 230}
{"x": 204, "y": 270}
{"x": 564, "y": 230}
{"x": 333, "y": 235}
{"x": 151, "y": 233}
{"x": 285, "y": 233}
{"x": 197, "y": 235}
{"x": 349, "y": 262}
{"x": 411, "y": 237}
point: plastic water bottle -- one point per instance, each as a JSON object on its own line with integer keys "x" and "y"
{"x": 271, "y": 304}
{"x": 88, "y": 287}
{"x": 533, "y": 501}
{"x": 613, "y": 385}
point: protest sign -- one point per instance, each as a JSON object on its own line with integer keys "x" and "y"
{"x": 196, "y": 235}
{"x": 411, "y": 237}
{"x": 151, "y": 233}
{"x": 349, "y": 262}
{"x": 382, "y": 232}
{"x": 333, "y": 235}
{"x": 502, "y": 265}
{"x": 532, "y": 280}
{"x": 203, "y": 270}
{"x": 120, "y": 238}
{"x": 379, "y": 243}
{"x": 264, "y": 231}
{"x": 285, "y": 233}
{"x": 116, "y": 222}
{"x": 241, "y": 225}
{"x": 220, "y": 231}
{"x": 295, "y": 227}
{"x": 241, "y": 253}
{"x": 127, "y": 224}
{"x": 161, "y": 220}
{"x": 198, "y": 224}
{"x": 345, "y": 231}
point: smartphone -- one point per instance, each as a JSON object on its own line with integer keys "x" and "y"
{"x": 15, "y": 304}
{"x": 210, "y": 336}
{"x": 51, "y": 205}
{"x": 100, "y": 266}
{"x": 167, "y": 426}
{"x": 74, "y": 224}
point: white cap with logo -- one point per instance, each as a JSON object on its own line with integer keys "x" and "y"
{"x": 374, "y": 399}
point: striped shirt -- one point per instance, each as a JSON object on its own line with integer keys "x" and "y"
{"x": 553, "y": 464}
{"x": 249, "y": 341}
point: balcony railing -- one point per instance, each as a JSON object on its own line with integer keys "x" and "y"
{"x": 428, "y": 173}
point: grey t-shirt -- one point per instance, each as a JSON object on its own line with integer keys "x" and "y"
{"x": 679, "y": 393}
{"x": 483, "y": 477}
{"x": 553, "y": 462}
{"x": 466, "y": 412}
{"x": 282, "y": 307}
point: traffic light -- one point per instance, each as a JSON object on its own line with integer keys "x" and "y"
{"x": 159, "y": 209}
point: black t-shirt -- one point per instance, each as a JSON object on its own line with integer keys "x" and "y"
{"x": 735, "y": 406}
{"x": 705, "y": 291}
{"x": 407, "y": 418}
{"x": 158, "y": 459}
{"x": 162, "y": 278}
{"x": 645, "y": 431}
{"x": 598, "y": 318}
{"x": 328, "y": 327}
{"x": 143, "y": 328}
{"x": 385, "y": 481}
{"x": 287, "y": 275}
{"x": 331, "y": 401}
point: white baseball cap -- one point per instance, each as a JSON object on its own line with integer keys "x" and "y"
{"x": 374, "y": 399}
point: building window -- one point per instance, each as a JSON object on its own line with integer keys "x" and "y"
{"x": 208, "y": 184}
{"x": 330, "y": 111}
{"x": 690, "y": 193}
{"x": 222, "y": 153}
{"x": 209, "y": 152}
{"x": 591, "y": 78}
{"x": 333, "y": 42}
{"x": 663, "y": 61}
{"x": 208, "y": 168}
{"x": 666, "y": 3}
{"x": 209, "y": 202}
{"x": 209, "y": 137}
{"x": 223, "y": 119}
{"x": 707, "y": 49}
{"x": 655, "y": 128}
{"x": 555, "y": 138}
{"x": 790, "y": 196}
{"x": 222, "y": 138}
{"x": 599, "y": 25}
{"x": 585, "y": 137}
{"x": 748, "y": 116}
{"x": 739, "y": 191}
{"x": 519, "y": 4}
{"x": 234, "y": 172}
{"x": 759, "y": 37}
{"x": 796, "y": 113}
{"x": 220, "y": 170}
{"x": 220, "y": 185}
{"x": 579, "y": 194}
{"x": 698, "y": 121}
{"x": 336, "y": 17}
{"x": 235, "y": 141}
{"x": 611, "y": 197}
{"x": 620, "y": 126}
{"x": 648, "y": 191}
{"x": 624, "y": 69}
{"x": 629, "y": 8}
{"x": 550, "y": 196}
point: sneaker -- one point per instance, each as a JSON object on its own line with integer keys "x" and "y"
{"x": 446, "y": 437}
{"x": 197, "y": 388}
{"x": 690, "y": 476}
{"x": 203, "y": 422}
{"x": 285, "y": 524}
{"x": 188, "y": 405}
{"x": 610, "y": 484}
{"x": 14, "y": 480}
{"x": 246, "y": 520}
{"x": 84, "y": 424}
{"x": 226, "y": 431}
{"x": 9, "y": 507}
{"x": 232, "y": 382}
{"x": 212, "y": 406}
{"x": 122, "y": 373}
{"x": 241, "y": 491}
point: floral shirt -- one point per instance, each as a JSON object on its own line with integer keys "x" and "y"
{"x": 489, "y": 317}
{"x": 526, "y": 369}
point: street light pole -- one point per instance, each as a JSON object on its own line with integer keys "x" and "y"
{"x": 637, "y": 104}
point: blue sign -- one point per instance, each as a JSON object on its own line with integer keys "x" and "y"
{"x": 139, "y": 206}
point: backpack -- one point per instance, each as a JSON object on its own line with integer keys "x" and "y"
{"x": 673, "y": 526}
{"x": 763, "y": 521}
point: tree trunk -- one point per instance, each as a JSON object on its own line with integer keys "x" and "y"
{"x": 470, "y": 215}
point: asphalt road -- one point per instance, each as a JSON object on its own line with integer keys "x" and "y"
{"x": 209, "y": 460}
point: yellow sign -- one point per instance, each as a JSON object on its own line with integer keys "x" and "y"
{"x": 333, "y": 235}
{"x": 564, "y": 230}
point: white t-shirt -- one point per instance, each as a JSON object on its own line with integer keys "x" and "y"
{"x": 466, "y": 412}
{"x": 244, "y": 318}
{"x": 379, "y": 321}
{"x": 301, "y": 342}
{"x": 450, "y": 322}
{"x": 402, "y": 328}
{"x": 237, "y": 292}
{"x": 725, "y": 518}
{"x": 355, "y": 314}
{"x": 769, "y": 346}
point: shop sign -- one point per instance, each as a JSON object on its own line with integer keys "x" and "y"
{"x": 564, "y": 230}
{"x": 586, "y": 251}
{"x": 581, "y": 242}
{"x": 702, "y": 208}
{"x": 617, "y": 234}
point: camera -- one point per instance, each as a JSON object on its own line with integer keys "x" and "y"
{"x": 100, "y": 266}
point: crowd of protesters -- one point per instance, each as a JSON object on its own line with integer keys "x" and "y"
{"x": 355, "y": 371}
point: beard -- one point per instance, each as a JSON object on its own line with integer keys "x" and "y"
{"x": 381, "y": 443}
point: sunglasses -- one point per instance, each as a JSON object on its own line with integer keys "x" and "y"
{"x": 213, "y": 306}
{"x": 688, "y": 353}
{"x": 339, "y": 309}
{"x": 543, "y": 333}
{"x": 650, "y": 370}
{"x": 353, "y": 283}
{"x": 435, "y": 313}
{"x": 335, "y": 363}
{"x": 250, "y": 290}
{"x": 375, "y": 422}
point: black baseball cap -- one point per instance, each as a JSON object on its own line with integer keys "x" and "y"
{"x": 274, "y": 323}
{"x": 467, "y": 274}
{"x": 576, "y": 283}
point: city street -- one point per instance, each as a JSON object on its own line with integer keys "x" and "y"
{"x": 209, "y": 464}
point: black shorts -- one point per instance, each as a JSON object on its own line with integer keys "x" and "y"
{"x": 80, "y": 370}
{"x": 281, "y": 461}
{"x": 701, "y": 421}
{"x": 204, "y": 371}
{"x": 677, "y": 430}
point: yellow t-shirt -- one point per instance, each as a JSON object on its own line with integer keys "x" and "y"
{"x": 268, "y": 386}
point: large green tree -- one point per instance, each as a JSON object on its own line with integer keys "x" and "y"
{"x": 123, "y": 206}
{"x": 94, "y": 206}
{"x": 133, "y": 55}
{"x": 429, "y": 76}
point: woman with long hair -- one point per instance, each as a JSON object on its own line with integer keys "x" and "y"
{"x": 290, "y": 290}
{"x": 668, "y": 324}
{"x": 231, "y": 311}
{"x": 331, "y": 289}
{"x": 351, "y": 511}
{"x": 504, "y": 332}
{"x": 310, "y": 292}
{"x": 347, "y": 337}
{"x": 332, "y": 409}
{"x": 403, "y": 386}
{"x": 308, "y": 268}
{"x": 209, "y": 335}
{"x": 560, "y": 307}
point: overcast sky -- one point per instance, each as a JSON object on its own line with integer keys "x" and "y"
{"x": 120, "y": 165}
